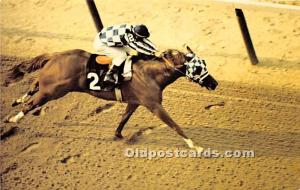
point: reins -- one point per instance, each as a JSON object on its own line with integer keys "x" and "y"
{"x": 172, "y": 66}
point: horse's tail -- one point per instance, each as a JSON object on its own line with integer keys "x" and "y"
{"x": 18, "y": 71}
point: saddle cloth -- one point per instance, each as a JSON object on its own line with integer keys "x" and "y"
{"x": 95, "y": 72}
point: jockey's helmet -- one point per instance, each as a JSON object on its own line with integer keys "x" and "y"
{"x": 141, "y": 31}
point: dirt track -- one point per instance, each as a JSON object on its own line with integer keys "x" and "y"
{"x": 72, "y": 145}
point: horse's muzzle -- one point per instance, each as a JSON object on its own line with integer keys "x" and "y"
{"x": 210, "y": 83}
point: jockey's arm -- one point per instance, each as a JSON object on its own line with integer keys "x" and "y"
{"x": 140, "y": 49}
{"x": 144, "y": 46}
{"x": 149, "y": 44}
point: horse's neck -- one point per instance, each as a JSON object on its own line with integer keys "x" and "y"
{"x": 171, "y": 76}
{"x": 163, "y": 74}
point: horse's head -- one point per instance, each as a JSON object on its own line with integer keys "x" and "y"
{"x": 192, "y": 67}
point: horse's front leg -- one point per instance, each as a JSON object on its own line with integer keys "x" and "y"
{"x": 158, "y": 110}
{"x": 128, "y": 112}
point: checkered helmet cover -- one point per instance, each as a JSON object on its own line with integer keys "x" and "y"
{"x": 196, "y": 69}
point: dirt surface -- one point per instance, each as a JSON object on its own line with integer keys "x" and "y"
{"x": 71, "y": 145}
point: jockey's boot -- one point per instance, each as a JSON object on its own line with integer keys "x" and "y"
{"x": 109, "y": 80}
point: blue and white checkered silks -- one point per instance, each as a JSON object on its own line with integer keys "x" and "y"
{"x": 121, "y": 35}
{"x": 196, "y": 69}
{"x": 112, "y": 35}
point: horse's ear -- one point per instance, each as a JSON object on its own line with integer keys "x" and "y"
{"x": 189, "y": 50}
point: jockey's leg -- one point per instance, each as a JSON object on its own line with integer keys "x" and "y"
{"x": 119, "y": 55}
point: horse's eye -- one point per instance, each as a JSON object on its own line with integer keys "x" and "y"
{"x": 187, "y": 58}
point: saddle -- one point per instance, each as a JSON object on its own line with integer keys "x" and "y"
{"x": 103, "y": 60}
{"x": 98, "y": 65}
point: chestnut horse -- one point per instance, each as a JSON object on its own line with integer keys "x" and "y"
{"x": 65, "y": 72}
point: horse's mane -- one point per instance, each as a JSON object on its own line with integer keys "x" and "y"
{"x": 158, "y": 63}
{"x": 144, "y": 57}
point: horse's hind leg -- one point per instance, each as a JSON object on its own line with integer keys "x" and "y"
{"x": 45, "y": 94}
{"x": 37, "y": 101}
{"x": 33, "y": 89}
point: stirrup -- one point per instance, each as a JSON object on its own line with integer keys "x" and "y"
{"x": 108, "y": 85}
{"x": 109, "y": 77}
{"x": 109, "y": 80}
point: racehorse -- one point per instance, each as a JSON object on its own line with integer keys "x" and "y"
{"x": 65, "y": 72}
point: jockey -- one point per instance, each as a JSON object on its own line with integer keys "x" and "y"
{"x": 116, "y": 41}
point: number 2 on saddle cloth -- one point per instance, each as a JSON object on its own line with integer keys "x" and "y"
{"x": 97, "y": 67}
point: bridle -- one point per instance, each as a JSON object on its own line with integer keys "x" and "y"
{"x": 195, "y": 60}
{"x": 172, "y": 66}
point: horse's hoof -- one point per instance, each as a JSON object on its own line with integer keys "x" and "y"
{"x": 6, "y": 119}
{"x": 14, "y": 104}
{"x": 118, "y": 137}
{"x": 199, "y": 148}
